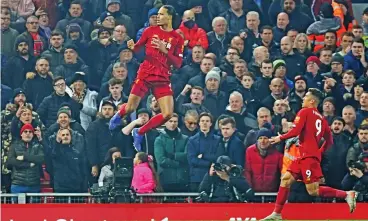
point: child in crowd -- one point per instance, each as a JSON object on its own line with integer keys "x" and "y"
{"x": 145, "y": 179}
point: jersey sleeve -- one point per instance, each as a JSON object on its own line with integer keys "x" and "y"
{"x": 143, "y": 40}
{"x": 299, "y": 123}
{"x": 175, "y": 54}
{"x": 327, "y": 135}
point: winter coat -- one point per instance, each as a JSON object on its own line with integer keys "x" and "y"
{"x": 353, "y": 153}
{"x": 234, "y": 148}
{"x": 143, "y": 180}
{"x": 172, "y": 170}
{"x": 219, "y": 48}
{"x": 181, "y": 77}
{"x": 316, "y": 31}
{"x": 16, "y": 125}
{"x": 215, "y": 103}
{"x": 85, "y": 25}
{"x": 15, "y": 70}
{"x": 295, "y": 65}
{"x": 50, "y": 106}
{"x": 206, "y": 145}
{"x": 353, "y": 63}
{"x": 30, "y": 42}
{"x": 217, "y": 7}
{"x": 98, "y": 141}
{"x": 37, "y": 88}
{"x": 263, "y": 173}
{"x": 22, "y": 172}
{"x": 195, "y": 36}
{"x": 8, "y": 37}
{"x": 89, "y": 110}
{"x": 132, "y": 67}
{"x": 55, "y": 58}
{"x": 67, "y": 71}
{"x": 55, "y": 127}
{"x": 69, "y": 165}
{"x": 182, "y": 108}
{"x": 133, "y": 9}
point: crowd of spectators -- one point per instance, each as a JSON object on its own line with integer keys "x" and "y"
{"x": 66, "y": 69}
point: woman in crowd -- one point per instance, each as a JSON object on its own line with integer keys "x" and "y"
{"x": 108, "y": 165}
{"x": 302, "y": 45}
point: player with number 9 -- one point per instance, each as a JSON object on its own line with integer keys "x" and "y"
{"x": 311, "y": 127}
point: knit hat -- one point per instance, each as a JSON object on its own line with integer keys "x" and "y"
{"x": 27, "y": 127}
{"x": 326, "y": 10}
{"x": 152, "y": 11}
{"x": 214, "y": 73}
{"x": 79, "y": 76}
{"x": 109, "y": 2}
{"x": 17, "y": 92}
{"x": 264, "y": 132}
{"x": 64, "y": 110}
{"x": 337, "y": 58}
{"x": 102, "y": 29}
{"x": 107, "y": 102}
{"x": 329, "y": 99}
{"x": 73, "y": 27}
{"x": 365, "y": 12}
{"x": 300, "y": 77}
{"x": 278, "y": 63}
{"x": 123, "y": 47}
{"x": 71, "y": 46}
{"x": 195, "y": 3}
{"x": 224, "y": 160}
{"x": 314, "y": 59}
{"x": 20, "y": 40}
{"x": 143, "y": 111}
{"x": 104, "y": 15}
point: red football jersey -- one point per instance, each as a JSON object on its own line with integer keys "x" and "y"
{"x": 311, "y": 126}
{"x": 156, "y": 62}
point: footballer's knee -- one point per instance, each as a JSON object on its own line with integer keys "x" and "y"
{"x": 312, "y": 189}
{"x": 286, "y": 180}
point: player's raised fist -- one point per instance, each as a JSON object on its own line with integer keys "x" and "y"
{"x": 130, "y": 44}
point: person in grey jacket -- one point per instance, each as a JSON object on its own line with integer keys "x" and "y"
{"x": 83, "y": 95}
{"x": 25, "y": 158}
{"x": 196, "y": 97}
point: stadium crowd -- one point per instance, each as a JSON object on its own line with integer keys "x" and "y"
{"x": 67, "y": 68}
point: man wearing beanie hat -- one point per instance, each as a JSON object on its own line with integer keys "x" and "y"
{"x": 25, "y": 158}
{"x": 15, "y": 69}
{"x": 75, "y": 15}
{"x": 313, "y": 75}
{"x": 114, "y": 8}
{"x": 296, "y": 95}
{"x": 337, "y": 65}
{"x": 152, "y": 21}
{"x": 316, "y": 31}
{"x": 256, "y": 156}
{"x": 71, "y": 64}
{"x": 214, "y": 99}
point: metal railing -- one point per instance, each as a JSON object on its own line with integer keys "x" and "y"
{"x": 87, "y": 198}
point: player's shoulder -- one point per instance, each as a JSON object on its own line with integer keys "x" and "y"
{"x": 151, "y": 28}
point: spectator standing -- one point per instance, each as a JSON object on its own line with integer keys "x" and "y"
{"x": 219, "y": 38}
{"x": 75, "y": 15}
{"x": 263, "y": 164}
{"x": 38, "y": 84}
{"x": 25, "y": 158}
{"x": 145, "y": 179}
{"x": 281, "y": 28}
{"x": 196, "y": 97}
{"x": 235, "y": 16}
{"x": 171, "y": 157}
{"x": 8, "y": 35}
{"x": 294, "y": 62}
{"x": 55, "y": 53}
{"x": 193, "y": 34}
{"x": 50, "y": 105}
{"x": 17, "y": 66}
{"x": 356, "y": 59}
{"x": 68, "y": 162}
{"x": 84, "y": 96}
{"x": 36, "y": 43}
{"x": 202, "y": 151}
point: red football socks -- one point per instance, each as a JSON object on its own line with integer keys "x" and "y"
{"x": 122, "y": 110}
{"x": 329, "y": 192}
{"x": 282, "y": 196}
{"x": 154, "y": 122}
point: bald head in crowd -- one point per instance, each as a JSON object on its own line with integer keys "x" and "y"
{"x": 282, "y": 20}
{"x": 188, "y": 15}
{"x": 286, "y": 45}
{"x": 238, "y": 43}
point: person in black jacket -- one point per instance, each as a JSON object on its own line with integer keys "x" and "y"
{"x": 221, "y": 186}
{"x": 98, "y": 137}
{"x": 25, "y": 158}
{"x": 68, "y": 162}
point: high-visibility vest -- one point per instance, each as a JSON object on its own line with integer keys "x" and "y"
{"x": 290, "y": 154}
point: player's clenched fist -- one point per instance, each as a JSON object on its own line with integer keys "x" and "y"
{"x": 130, "y": 44}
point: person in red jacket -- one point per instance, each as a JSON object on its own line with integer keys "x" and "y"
{"x": 263, "y": 164}
{"x": 193, "y": 35}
